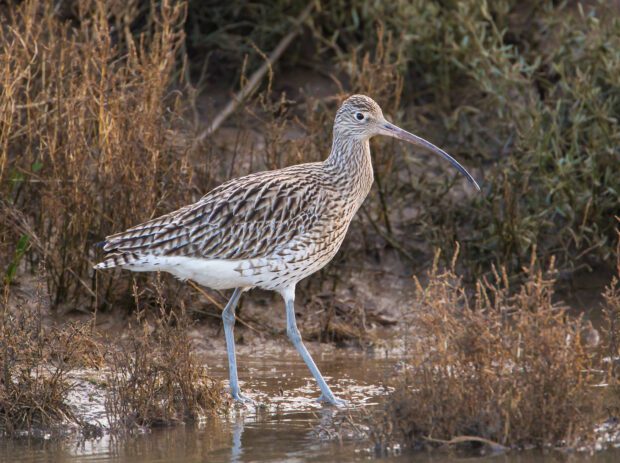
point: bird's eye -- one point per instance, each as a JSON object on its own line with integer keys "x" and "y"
{"x": 359, "y": 116}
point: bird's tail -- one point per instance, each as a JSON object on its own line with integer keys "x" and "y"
{"x": 117, "y": 260}
{"x": 132, "y": 248}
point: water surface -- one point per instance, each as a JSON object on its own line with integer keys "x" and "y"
{"x": 290, "y": 427}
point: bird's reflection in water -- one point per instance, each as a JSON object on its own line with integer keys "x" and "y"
{"x": 236, "y": 450}
{"x": 279, "y": 426}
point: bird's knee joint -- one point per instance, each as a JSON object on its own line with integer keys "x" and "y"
{"x": 228, "y": 318}
{"x": 294, "y": 335}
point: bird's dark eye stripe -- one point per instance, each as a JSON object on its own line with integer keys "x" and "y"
{"x": 359, "y": 116}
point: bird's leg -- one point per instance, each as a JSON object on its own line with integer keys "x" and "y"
{"x": 228, "y": 316}
{"x": 295, "y": 336}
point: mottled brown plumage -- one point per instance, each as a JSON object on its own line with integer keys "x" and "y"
{"x": 244, "y": 218}
{"x": 269, "y": 229}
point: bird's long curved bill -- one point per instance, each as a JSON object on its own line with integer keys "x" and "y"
{"x": 396, "y": 132}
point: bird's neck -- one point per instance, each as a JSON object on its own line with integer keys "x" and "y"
{"x": 351, "y": 166}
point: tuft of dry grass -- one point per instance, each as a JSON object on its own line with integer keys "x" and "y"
{"x": 35, "y": 364}
{"x": 506, "y": 365}
{"x": 156, "y": 379}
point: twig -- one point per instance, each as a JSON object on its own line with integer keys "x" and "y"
{"x": 388, "y": 237}
{"x": 82, "y": 282}
{"x": 220, "y": 306}
{"x": 207, "y": 295}
{"x": 496, "y": 446}
{"x": 237, "y": 99}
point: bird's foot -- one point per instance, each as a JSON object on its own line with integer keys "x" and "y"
{"x": 332, "y": 400}
{"x": 242, "y": 399}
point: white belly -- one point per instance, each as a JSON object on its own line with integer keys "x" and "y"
{"x": 266, "y": 273}
{"x": 212, "y": 273}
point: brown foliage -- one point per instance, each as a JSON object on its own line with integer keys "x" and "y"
{"x": 35, "y": 363}
{"x": 156, "y": 379}
{"x": 611, "y": 326}
{"x": 506, "y": 365}
{"x": 87, "y": 130}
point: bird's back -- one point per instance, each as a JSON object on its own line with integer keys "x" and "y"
{"x": 269, "y": 214}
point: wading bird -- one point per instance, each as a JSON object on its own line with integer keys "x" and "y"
{"x": 269, "y": 229}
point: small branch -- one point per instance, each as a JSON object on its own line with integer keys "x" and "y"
{"x": 247, "y": 90}
{"x": 388, "y": 237}
{"x": 496, "y": 446}
{"x": 220, "y": 306}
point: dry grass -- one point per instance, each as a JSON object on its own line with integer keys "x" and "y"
{"x": 156, "y": 379}
{"x": 508, "y": 365}
{"x": 153, "y": 380}
{"x": 87, "y": 133}
{"x": 35, "y": 364}
{"x": 611, "y": 330}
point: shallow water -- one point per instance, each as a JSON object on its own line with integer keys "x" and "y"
{"x": 287, "y": 439}
{"x": 290, "y": 427}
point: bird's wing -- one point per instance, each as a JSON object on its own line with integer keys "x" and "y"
{"x": 244, "y": 218}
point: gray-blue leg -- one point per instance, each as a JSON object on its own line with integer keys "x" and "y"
{"x": 295, "y": 336}
{"x": 228, "y": 316}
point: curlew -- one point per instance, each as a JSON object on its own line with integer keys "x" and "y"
{"x": 269, "y": 229}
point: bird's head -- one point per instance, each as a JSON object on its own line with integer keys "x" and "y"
{"x": 361, "y": 118}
